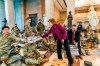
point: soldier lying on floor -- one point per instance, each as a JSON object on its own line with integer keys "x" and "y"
{"x": 44, "y": 46}
{"x": 47, "y": 44}
{"x": 32, "y": 56}
{"x": 52, "y": 44}
{"x": 6, "y": 47}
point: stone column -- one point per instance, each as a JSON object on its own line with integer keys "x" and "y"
{"x": 49, "y": 9}
{"x": 2, "y": 14}
{"x": 71, "y": 7}
{"x": 9, "y": 11}
{"x": 19, "y": 13}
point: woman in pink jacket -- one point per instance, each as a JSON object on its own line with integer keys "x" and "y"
{"x": 60, "y": 36}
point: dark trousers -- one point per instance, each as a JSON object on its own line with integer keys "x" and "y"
{"x": 79, "y": 48}
{"x": 67, "y": 49}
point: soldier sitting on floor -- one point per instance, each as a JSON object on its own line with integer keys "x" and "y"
{"x": 14, "y": 29}
{"x": 7, "y": 47}
{"x": 32, "y": 56}
{"x": 52, "y": 44}
{"x": 89, "y": 29}
{"x": 44, "y": 46}
{"x": 16, "y": 32}
{"x": 93, "y": 36}
{"x": 48, "y": 44}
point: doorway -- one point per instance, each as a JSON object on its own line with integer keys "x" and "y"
{"x": 34, "y": 19}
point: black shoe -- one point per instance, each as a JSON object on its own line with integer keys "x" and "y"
{"x": 70, "y": 64}
{"x": 0, "y": 62}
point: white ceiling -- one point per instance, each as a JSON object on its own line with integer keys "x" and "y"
{"x": 78, "y": 3}
{"x": 60, "y": 5}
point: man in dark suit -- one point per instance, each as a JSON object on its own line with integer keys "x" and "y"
{"x": 73, "y": 37}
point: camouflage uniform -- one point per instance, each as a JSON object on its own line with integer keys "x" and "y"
{"x": 16, "y": 32}
{"x": 18, "y": 35}
{"x": 6, "y": 42}
{"x": 7, "y": 48}
{"x": 32, "y": 56}
{"x": 44, "y": 44}
{"x": 48, "y": 45}
{"x": 40, "y": 28}
{"x": 89, "y": 29}
{"x": 27, "y": 29}
{"x": 95, "y": 38}
{"x": 52, "y": 44}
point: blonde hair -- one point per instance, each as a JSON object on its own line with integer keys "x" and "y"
{"x": 52, "y": 20}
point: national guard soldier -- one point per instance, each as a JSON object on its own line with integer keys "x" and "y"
{"x": 40, "y": 27}
{"x": 94, "y": 39}
{"x": 15, "y": 31}
{"x": 18, "y": 34}
{"x": 6, "y": 44}
{"x": 52, "y": 44}
{"x": 27, "y": 28}
{"x": 43, "y": 45}
{"x": 32, "y": 56}
{"x": 89, "y": 29}
{"x": 48, "y": 45}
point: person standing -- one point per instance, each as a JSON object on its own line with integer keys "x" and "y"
{"x": 60, "y": 36}
{"x": 40, "y": 27}
{"x": 74, "y": 37}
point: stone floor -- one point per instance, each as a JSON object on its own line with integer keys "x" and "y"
{"x": 94, "y": 57}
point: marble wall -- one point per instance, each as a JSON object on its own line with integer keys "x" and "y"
{"x": 34, "y": 7}
{"x": 2, "y": 13}
{"x": 19, "y": 13}
{"x": 56, "y": 13}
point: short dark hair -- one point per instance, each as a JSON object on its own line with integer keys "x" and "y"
{"x": 5, "y": 27}
{"x": 94, "y": 31}
{"x": 74, "y": 25}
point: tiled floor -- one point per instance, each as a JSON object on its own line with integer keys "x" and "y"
{"x": 92, "y": 58}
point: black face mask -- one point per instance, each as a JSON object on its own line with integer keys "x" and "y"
{"x": 39, "y": 22}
